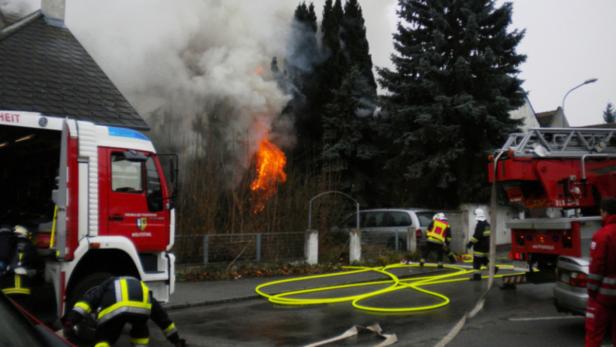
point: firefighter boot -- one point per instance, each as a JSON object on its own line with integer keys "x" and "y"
{"x": 452, "y": 258}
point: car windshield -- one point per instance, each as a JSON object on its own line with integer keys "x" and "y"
{"x": 425, "y": 218}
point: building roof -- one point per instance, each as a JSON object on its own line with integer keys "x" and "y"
{"x": 602, "y": 125}
{"x": 44, "y": 68}
{"x": 547, "y": 118}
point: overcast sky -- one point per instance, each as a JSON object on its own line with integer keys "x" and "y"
{"x": 567, "y": 42}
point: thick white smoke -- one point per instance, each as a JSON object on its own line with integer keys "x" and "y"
{"x": 182, "y": 61}
{"x": 186, "y": 64}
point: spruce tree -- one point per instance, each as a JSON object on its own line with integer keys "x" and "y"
{"x": 609, "y": 115}
{"x": 357, "y": 49}
{"x": 453, "y": 84}
{"x": 349, "y": 149}
{"x": 335, "y": 66}
{"x": 301, "y": 63}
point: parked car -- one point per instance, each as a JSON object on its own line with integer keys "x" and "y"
{"x": 570, "y": 294}
{"x": 389, "y": 226}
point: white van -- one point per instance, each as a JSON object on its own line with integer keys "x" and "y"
{"x": 389, "y": 226}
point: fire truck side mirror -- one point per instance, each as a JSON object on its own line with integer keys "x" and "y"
{"x": 169, "y": 163}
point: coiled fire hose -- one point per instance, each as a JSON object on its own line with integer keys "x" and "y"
{"x": 394, "y": 283}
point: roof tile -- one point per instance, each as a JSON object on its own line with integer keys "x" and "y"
{"x": 45, "y": 69}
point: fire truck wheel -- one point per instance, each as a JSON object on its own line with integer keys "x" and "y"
{"x": 85, "y": 332}
{"x": 84, "y": 285}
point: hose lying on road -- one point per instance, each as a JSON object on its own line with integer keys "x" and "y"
{"x": 394, "y": 283}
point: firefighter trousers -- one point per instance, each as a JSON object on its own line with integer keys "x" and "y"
{"x": 432, "y": 247}
{"x": 478, "y": 261}
{"x": 108, "y": 333}
{"x": 599, "y": 318}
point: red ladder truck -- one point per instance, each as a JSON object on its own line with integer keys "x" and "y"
{"x": 556, "y": 177}
{"x": 96, "y": 199}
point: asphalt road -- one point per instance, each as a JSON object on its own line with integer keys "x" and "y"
{"x": 521, "y": 317}
{"x": 524, "y": 317}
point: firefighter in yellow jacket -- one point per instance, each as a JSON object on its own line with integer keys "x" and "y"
{"x": 119, "y": 301}
{"x": 438, "y": 238}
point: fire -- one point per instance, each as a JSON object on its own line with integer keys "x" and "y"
{"x": 270, "y": 164}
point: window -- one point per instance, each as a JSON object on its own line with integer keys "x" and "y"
{"x": 126, "y": 176}
{"x": 154, "y": 189}
{"x": 402, "y": 219}
{"x": 373, "y": 219}
{"x": 425, "y": 218}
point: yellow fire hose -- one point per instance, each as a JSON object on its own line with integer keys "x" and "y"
{"x": 290, "y": 298}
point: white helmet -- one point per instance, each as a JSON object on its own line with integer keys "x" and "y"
{"x": 21, "y": 231}
{"x": 479, "y": 214}
{"x": 439, "y": 216}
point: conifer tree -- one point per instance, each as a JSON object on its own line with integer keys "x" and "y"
{"x": 453, "y": 84}
{"x": 609, "y": 115}
{"x": 356, "y": 44}
{"x": 301, "y": 63}
{"x": 349, "y": 149}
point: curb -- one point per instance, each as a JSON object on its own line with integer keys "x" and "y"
{"x": 209, "y": 303}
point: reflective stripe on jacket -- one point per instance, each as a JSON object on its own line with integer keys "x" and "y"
{"x": 114, "y": 297}
{"x": 438, "y": 232}
{"x": 19, "y": 285}
{"x": 481, "y": 237}
{"x": 132, "y": 296}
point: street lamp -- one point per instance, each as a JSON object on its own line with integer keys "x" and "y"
{"x": 588, "y": 81}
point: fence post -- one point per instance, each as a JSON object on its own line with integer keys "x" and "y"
{"x": 258, "y": 246}
{"x": 206, "y": 249}
{"x": 411, "y": 240}
{"x": 311, "y": 246}
{"x": 355, "y": 246}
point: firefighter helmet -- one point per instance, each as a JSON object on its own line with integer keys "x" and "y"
{"x": 479, "y": 214}
{"x": 20, "y": 230}
{"x": 439, "y": 216}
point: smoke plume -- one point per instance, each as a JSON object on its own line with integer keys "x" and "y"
{"x": 195, "y": 69}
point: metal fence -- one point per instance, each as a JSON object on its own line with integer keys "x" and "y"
{"x": 246, "y": 247}
{"x": 375, "y": 245}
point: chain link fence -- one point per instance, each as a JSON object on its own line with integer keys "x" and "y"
{"x": 247, "y": 247}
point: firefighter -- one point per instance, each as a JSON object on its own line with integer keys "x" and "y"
{"x": 7, "y": 245}
{"x": 438, "y": 238}
{"x": 601, "y": 306}
{"x": 15, "y": 282}
{"x": 480, "y": 243}
{"x": 115, "y": 302}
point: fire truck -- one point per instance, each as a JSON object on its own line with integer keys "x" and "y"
{"x": 556, "y": 178}
{"x": 94, "y": 197}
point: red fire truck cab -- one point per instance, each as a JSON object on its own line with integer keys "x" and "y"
{"x": 556, "y": 178}
{"x": 95, "y": 198}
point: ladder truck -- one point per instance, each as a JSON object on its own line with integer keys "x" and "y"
{"x": 556, "y": 178}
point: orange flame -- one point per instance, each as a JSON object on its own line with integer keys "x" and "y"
{"x": 270, "y": 172}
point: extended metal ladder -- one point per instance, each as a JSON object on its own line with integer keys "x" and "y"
{"x": 561, "y": 142}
